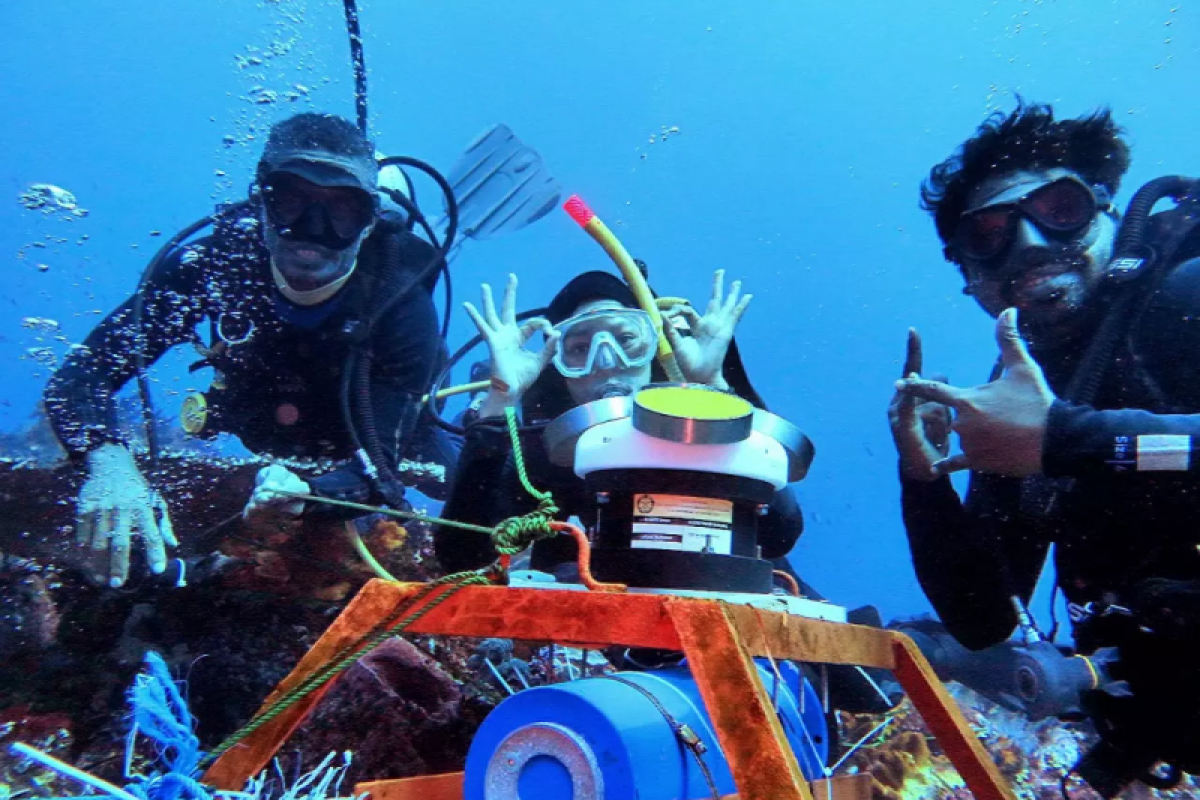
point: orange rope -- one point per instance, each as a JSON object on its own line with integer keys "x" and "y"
{"x": 585, "y": 559}
{"x": 793, "y": 586}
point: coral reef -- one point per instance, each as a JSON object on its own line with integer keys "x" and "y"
{"x": 256, "y": 599}
{"x": 428, "y": 716}
{"x": 905, "y": 762}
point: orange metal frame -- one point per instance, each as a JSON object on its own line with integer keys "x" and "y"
{"x": 718, "y": 639}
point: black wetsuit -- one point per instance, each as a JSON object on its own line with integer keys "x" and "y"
{"x": 278, "y": 391}
{"x": 488, "y": 489}
{"x": 1116, "y": 524}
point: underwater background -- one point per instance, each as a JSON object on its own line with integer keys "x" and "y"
{"x": 781, "y": 141}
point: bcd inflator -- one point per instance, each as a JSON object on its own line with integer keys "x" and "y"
{"x": 680, "y": 476}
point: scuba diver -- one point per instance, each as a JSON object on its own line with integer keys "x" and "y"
{"x": 1084, "y": 436}
{"x": 292, "y": 285}
{"x": 598, "y": 343}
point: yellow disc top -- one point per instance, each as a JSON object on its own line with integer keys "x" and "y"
{"x": 693, "y": 402}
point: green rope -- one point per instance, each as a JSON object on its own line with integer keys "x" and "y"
{"x": 510, "y": 416}
{"x": 349, "y": 655}
{"x": 387, "y": 512}
{"x": 510, "y": 536}
{"x": 516, "y": 533}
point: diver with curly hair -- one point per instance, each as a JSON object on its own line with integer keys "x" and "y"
{"x": 1084, "y": 438}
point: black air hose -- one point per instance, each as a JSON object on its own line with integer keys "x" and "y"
{"x": 1131, "y": 238}
{"x": 1130, "y": 244}
{"x": 139, "y": 313}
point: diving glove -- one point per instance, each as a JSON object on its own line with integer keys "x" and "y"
{"x": 116, "y": 506}
{"x": 271, "y": 487}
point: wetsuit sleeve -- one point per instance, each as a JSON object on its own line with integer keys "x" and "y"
{"x": 404, "y": 351}
{"x": 1081, "y": 441}
{"x": 80, "y": 396}
{"x": 971, "y": 557}
{"x": 486, "y": 490}
{"x": 782, "y": 525}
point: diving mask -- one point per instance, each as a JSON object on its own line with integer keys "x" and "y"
{"x": 331, "y": 216}
{"x": 605, "y": 338}
{"x": 1062, "y": 209}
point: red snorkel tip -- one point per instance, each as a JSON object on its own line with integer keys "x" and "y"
{"x": 578, "y": 210}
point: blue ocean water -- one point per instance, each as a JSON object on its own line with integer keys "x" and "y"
{"x": 804, "y": 130}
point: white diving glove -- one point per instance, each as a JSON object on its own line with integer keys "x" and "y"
{"x": 115, "y": 507}
{"x": 271, "y": 487}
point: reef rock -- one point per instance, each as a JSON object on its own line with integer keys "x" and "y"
{"x": 400, "y": 712}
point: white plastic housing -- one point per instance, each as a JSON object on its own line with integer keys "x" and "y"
{"x": 618, "y": 445}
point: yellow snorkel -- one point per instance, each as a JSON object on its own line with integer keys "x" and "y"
{"x": 633, "y": 276}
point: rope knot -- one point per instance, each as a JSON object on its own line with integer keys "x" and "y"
{"x": 514, "y": 534}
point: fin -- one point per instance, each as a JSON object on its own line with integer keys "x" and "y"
{"x": 501, "y": 185}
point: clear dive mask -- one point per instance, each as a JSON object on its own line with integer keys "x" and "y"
{"x": 605, "y": 338}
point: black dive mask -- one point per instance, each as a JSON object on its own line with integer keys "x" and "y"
{"x": 333, "y": 217}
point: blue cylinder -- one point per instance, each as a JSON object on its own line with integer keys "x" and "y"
{"x": 601, "y": 739}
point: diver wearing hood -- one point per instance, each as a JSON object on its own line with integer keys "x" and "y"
{"x": 285, "y": 289}
{"x": 598, "y": 343}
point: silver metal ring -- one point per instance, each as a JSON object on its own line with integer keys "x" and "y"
{"x": 547, "y": 740}
{"x": 230, "y": 340}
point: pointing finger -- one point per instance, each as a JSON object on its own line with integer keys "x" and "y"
{"x": 913, "y": 356}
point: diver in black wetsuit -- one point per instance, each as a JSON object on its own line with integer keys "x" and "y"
{"x": 599, "y": 346}
{"x": 1086, "y": 448}
{"x": 288, "y": 288}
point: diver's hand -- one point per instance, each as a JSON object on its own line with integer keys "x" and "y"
{"x": 920, "y": 428}
{"x": 272, "y": 485}
{"x": 116, "y": 506}
{"x": 514, "y": 368}
{"x": 701, "y": 355}
{"x": 1000, "y": 425}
